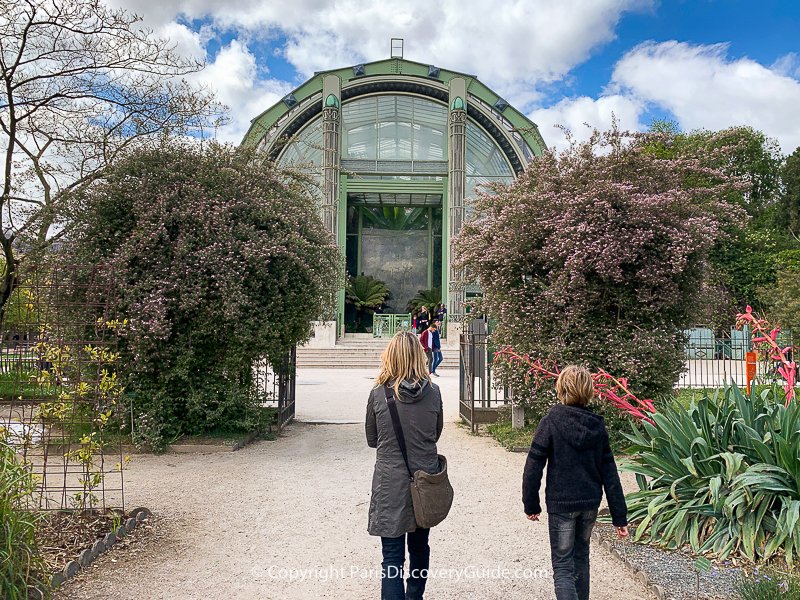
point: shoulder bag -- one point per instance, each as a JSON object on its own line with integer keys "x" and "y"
{"x": 431, "y": 493}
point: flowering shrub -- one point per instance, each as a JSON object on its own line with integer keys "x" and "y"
{"x": 597, "y": 255}
{"x": 218, "y": 259}
{"x": 607, "y": 387}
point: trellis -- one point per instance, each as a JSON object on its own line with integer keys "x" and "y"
{"x": 60, "y": 399}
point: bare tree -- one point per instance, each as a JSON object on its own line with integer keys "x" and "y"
{"x": 81, "y": 84}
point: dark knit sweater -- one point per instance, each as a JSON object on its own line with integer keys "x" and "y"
{"x": 573, "y": 442}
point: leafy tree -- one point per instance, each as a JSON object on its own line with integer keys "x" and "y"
{"x": 218, "y": 260}
{"x": 81, "y": 84}
{"x": 791, "y": 194}
{"x": 597, "y": 255}
{"x": 745, "y": 257}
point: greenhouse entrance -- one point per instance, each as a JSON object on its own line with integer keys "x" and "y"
{"x": 396, "y": 237}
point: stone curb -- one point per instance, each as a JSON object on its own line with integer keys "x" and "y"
{"x": 656, "y": 591}
{"x": 89, "y": 555}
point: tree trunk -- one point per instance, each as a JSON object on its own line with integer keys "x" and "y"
{"x": 10, "y": 278}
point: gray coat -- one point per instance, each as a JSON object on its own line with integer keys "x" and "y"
{"x": 420, "y": 409}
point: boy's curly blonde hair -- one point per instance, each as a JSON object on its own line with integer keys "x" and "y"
{"x": 575, "y": 386}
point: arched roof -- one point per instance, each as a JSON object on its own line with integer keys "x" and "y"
{"x": 518, "y": 136}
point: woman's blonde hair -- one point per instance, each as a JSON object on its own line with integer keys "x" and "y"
{"x": 403, "y": 358}
{"x": 575, "y": 386}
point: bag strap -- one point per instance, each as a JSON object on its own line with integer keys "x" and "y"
{"x": 398, "y": 427}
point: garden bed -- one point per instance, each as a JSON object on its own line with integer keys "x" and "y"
{"x": 62, "y": 535}
{"x": 71, "y": 540}
{"x": 674, "y": 570}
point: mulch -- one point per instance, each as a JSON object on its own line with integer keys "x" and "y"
{"x": 64, "y": 534}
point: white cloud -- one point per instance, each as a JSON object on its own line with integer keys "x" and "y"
{"x": 705, "y": 89}
{"x": 188, "y": 43}
{"x": 530, "y": 41}
{"x": 233, "y": 76}
{"x": 788, "y": 64}
{"x": 576, "y": 113}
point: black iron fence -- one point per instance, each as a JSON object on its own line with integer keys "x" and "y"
{"x": 479, "y": 395}
{"x": 713, "y": 360}
{"x": 276, "y": 387}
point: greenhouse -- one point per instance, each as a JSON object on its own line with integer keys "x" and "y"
{"x": 398, "y": 148}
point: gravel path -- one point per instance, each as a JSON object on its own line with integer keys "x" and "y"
{"x": 287, "y": 519}
{"x": 675, "y": 571}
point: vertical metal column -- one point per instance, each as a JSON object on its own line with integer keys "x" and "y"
{"x": 331, "y": 92}
{"x": 457, "y": 188}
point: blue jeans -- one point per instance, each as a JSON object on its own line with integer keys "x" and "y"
{"x": 569, "y": 550}
{"x": 437, "y": 360}
{"x": 394, "y": 555}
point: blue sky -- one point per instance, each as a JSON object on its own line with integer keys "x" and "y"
{"x": 703, "y": 63}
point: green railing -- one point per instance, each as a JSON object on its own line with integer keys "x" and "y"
{"x": 388, "y": 325}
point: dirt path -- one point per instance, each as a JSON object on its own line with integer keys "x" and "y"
{"x": 287, "y": 519}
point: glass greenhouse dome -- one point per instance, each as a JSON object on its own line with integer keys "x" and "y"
{"x": 397, "y": 149}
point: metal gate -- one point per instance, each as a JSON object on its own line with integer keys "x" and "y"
{"x": 479, "y": 398}
{"x": 275, "y": 386}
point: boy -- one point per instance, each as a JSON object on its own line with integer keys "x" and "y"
{"x": 573, "y": 442}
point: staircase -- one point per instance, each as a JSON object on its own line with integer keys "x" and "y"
{"x": 359, "y": 351}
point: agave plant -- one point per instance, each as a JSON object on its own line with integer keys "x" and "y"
{"x": 722, "y": 476}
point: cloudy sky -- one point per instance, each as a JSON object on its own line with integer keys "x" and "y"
{"x": 702, "y": 63}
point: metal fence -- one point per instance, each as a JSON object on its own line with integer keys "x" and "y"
{"x": 276, "y": 388}
{"x": 386, "y": 325}
{"x": 60, "y": 401}
{"x": 479, "y": 395}
{"x": 716, "y": 360}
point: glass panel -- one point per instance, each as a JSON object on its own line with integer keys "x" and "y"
{"x": 479, "y": 183}
{"x": 396, "y": 218}
{"x": 305, "y": 148}
{"x": 352, "y": 220}
{"x": 484, "y": 156}
{"x": 436, "y": 275}
{"x": 359, "y": 119}
{"x": 437, "y": 221}
{"x": 394, "y": 127}
{"x": 430, "y": 130}
{"x": 352, "y": 255}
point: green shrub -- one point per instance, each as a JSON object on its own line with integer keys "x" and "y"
{"x": 21, "y": 564}
{"x": 722, "y": 475}
{"x": 769, "y": 586}
{"x": 218, "y": 260}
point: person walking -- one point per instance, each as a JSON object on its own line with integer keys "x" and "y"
{"x": 436, "y": 347}
{"x": 573, "y": 442}
{"x": 391, "y": 513}
{"x": 426, "y": 340}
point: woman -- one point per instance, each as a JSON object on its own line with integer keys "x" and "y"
{"x": 391, "y": 514}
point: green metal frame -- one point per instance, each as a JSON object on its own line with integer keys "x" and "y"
{"x": 393, "y": 68}
{"x": 386, "y": 325}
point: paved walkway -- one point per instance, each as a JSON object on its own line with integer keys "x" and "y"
{"x": 287, "y": 519}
